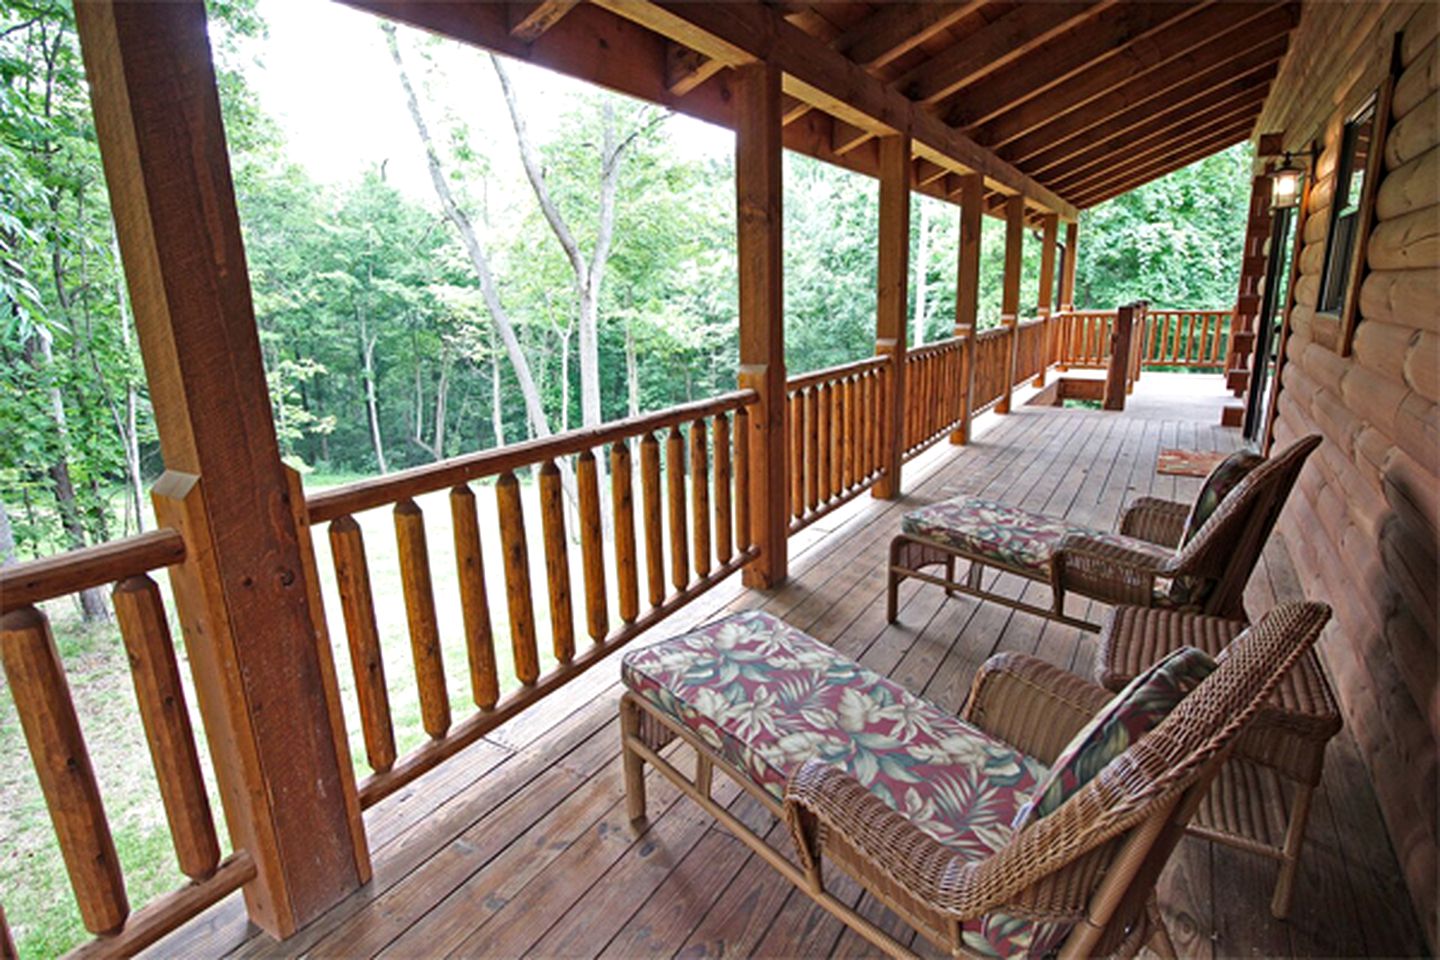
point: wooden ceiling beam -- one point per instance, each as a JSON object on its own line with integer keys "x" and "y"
{"x": 826, "y": 80}
{"x": 1004, "y": 41}
{"x": 899, "y": 28}
{"x": 1200, "y": 92}
{"x": 686, "y": 69}
{"x": 529, "y": 20}
{"x": 845, "y": 137}
{"x": 1136, "y": 155}
{"x": 1145, "y": 73}
{"x": 1183, "y": 122}
{"x": 1059, "y": 59}
{"x": 1130, "y": 178}
{"x": 926, "y": 172}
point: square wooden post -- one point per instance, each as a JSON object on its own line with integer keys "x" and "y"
{"x": 1010, "y": 293}
{"x": 1067, "y": 293}
{"x": 264, "y": 684}
{"x": 1117, "y": 375}
{"x": 759, "y": 222}
{"x": 890, "y": 301}
{"x": 1051, "y": 229}
{"x": 967, "y": 294}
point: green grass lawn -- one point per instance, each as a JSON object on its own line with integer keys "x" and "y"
{"x": 34, "y": 888}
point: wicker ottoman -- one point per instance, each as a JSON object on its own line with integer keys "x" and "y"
{"x": 1247, "y": 806}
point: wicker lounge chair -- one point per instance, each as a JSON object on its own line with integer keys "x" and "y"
{"x": 1206, "y": 575}
{"x": 920, "y": 814}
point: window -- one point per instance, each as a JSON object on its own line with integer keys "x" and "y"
{"x": 1356, "y": 146}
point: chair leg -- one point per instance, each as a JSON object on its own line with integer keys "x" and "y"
{"x": 1290, "y": 855}
{"x": 633, "y": 763}
{"x": 892, "y": 593}
{"x": 1159, "y": 942}
{"x": 949, "y": 573}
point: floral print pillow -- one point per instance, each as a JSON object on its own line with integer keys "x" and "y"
{"x": 1225, "y": 477}
{"x": 1130, "y": 714}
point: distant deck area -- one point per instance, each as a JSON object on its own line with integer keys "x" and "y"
{"x": 521, "y": 846}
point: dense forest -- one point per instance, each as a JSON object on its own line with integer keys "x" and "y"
{"x": 554, "y": 274}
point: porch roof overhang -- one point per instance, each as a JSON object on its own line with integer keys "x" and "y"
{"x": 1067, "y": 104}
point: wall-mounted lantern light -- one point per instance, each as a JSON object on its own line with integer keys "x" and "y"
{"x": 1285, "y": 184}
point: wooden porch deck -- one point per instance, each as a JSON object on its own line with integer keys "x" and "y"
{"x": 520, "y": 845}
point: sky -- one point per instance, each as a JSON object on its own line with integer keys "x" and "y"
{"x": 341, "y": 107}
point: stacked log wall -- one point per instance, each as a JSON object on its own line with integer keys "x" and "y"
{"x": 1362, "y": 524}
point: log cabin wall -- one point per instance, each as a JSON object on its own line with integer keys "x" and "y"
{"x": 1362, "y": 526}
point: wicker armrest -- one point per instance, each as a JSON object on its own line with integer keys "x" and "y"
{"x": 1110, "y": 571}
{"x": 824, "y": 804}
{"x": 1032, "y": 705}
{"x": 1158, "y": 521}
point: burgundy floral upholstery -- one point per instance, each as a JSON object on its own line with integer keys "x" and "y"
{"x": 767, "y": 698}
{"x": 1133, "y": 712}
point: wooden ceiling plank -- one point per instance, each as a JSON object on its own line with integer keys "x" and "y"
{"x": 826, "y": 79}
{"x": 1129, "y": 103}
{"x": 529, "y": 20}
{"x": 1039, "y": 154}
{"x": 1184, "y": 122}
{"x": 1139, "y": 76}
{"x": 1184, "y": 155}
{"x": 1061, "y": 58}
{"x": 1139, "y": 153}
{"x": 1005, "y": 41}
{"x": 899, "y": 28}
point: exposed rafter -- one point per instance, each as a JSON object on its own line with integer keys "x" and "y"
{"x": 1182, "y": 157}
{"x": 899, "y": 28}
{"x": 529, "y": 20}
{"x": 1135, "y": 156}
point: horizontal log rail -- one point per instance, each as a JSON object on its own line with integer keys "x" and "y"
{"x": 835, "y": 423}
{"x": 57, "y": 745}
{"x": 934, "y": 393}
{"x": 693, "y": 466}
{"x": 992, "y": 353}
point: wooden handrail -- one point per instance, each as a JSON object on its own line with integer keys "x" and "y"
{"x": 351, "y": 498}
{"x": 35, "y": 581}
{"x": 837, "y": 372}
{"x": 933, "y": 347}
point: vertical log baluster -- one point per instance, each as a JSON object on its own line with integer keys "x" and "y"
{"x": 837, "y": 436}
{"x": 557, "y": 564}
{"x": 622, "y": 499}
{"x": 723, "y": 545}
{"x": 700, "y": 496}
{"x": 822, "y": 448}
{"x": 675, "y": 489}
{"x": 795, "y": 409}
{"x": 847, "y": 433}
{"x": 420, "y": 612}
{"x": 812, "y": 447}
{"x": 367, "y": 663}
{"x": 592, "y": 547}
{"x": 161, "y": 697}
{"x": 474, "y": 599}
{"x": 654, "y": 516}
{"x": 62, "y": 764}
{"x": 867, "y": 425}
{"x": 517, "y": 578}
{"x": 741, "y": 437}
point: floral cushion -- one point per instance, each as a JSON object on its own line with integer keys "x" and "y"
{"x": 767, "y": 698}
{"x": 1000, "y": 533}
{"x": 1130, "y": 714}
{"x": 1225, "y": 477}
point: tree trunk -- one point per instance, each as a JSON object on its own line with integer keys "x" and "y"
{"x": 7, "y": 538}
{"x": 922, "y": 259}
{"x": 497, "y": 415}
{"x": 372, "y": 403}
{"x": 131, "y": 433}
{"x": 632, "y": 370}
{"x": 565, "y": 379}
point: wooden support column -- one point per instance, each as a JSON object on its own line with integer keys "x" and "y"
{"x": 1051, "y": 230}
{"x": 890, "y": 301}
{"x": 1067, "y": 290}
{"x": 967, "y": 294}
{"x": 264, "y": 683}
{"x": 1010, "y": 293}
{"x": 758, "y": 190}
{"x": 1117, "y": 375}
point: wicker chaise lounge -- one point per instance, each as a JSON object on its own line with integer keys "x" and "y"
{"x": 1143, "y": 565}
{"x": 921, "y": 807}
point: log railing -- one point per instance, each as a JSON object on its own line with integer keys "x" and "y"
{"x": 676, "y": 452}
{"x": 834, "y": 421}
{"x": 57, "y": 745}
{"x": 1196, "y": 339}
{"x": 933, "y": 393}
{"x": 1030, "y": 358}
{"x": 992, "y": 353}
{"x": 1189, "y": 339}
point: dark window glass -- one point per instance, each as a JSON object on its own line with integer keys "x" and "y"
{"x": 1355, "y": 147}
